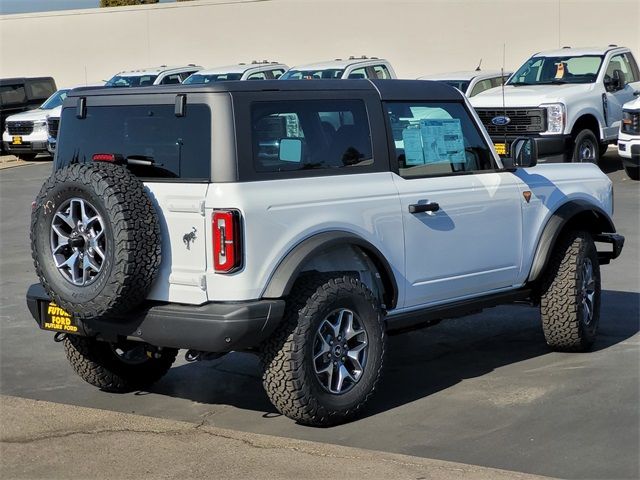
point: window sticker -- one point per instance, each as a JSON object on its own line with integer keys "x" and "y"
{"x": 413, "y": 151}
{"x": 442, "y": 141}
{"x": 559, "y": 70}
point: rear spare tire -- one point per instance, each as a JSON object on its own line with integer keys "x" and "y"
{"x": 95, "y": 240}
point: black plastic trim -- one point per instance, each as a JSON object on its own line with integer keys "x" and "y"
{"x": 212, "y": 327}
{"x": 554, "y": 226}
{"x": 287, "y": 271}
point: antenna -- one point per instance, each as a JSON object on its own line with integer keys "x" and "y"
{"x": 478, "y": 67}
{"x": 504, "y": 108}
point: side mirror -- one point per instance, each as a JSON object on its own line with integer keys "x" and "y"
{"x": 636, "y": 93}
{"x": 290, "y": 150}
{"x": 524, "y": 152}
{"x": 615, "y": 82}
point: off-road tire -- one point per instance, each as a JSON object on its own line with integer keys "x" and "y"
{"x": 97, "y": 364}
{"x": 132, "y": 230}
{"x": 632, "y": 172}
{"x": 289, "y": 379}
{"x": 583, "y": 136}
{"x": 563, "y": 320}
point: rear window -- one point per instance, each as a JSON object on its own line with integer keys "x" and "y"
{"x": 149, "y": 139}
{"x": 41, "y": 88}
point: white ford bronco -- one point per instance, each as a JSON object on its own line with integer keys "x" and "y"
{"x": 302, "y": 221}
{"x": 569, "y": 100}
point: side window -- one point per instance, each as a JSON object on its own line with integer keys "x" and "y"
{"x": 381, "y": 72}
{"x": 634, "y": 75}
{"x": 436, "y": 139}
{"x": 12, "y": 94}
{"x": 277, "y": 73}
{"x": 257, "y": 76}
{"x": 621, "y": 63}
{"x": 185, "y": 75}
{"x": 481, "y": 86}
{"x": 498, "y": 81}
{"x": 310, "y": 134}
{"x": 358, "y": 73}
{"x": 172, "y": 79}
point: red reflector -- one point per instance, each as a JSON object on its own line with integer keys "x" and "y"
{"x": 103, "y": 157}
{"x": 227, "y": 253}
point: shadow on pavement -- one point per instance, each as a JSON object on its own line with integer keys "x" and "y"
{"x": 419, "y": 363}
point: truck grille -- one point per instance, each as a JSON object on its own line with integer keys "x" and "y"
{"x": 52, "y": 127}
{"x": 523, "y": 120}
{"x": 630, "y": 122}
{"x": 20, "y": 128}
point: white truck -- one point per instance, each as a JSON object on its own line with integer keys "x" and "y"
{"x": 256, "y": 70}
{"x": 471, "y": 82}
{"x": 171, "y": 221}
{"x": 144, "y": 77}
{"x": 569, "y": 100}
{"x": 339, "y": 69}
{"x": 629, "y": 138}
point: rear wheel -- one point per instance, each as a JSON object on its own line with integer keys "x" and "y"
{"x": 632, "y": 172}
{"x": 586, "y": 147}
{"x": 324, "y": 363}
{"x": 570, "y": 301}
{"x": 117, "y": 367}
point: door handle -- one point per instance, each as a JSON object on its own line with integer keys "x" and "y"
{"x": 424, "y": 207}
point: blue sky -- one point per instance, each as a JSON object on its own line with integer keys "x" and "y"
{"x": 26, "y": 6}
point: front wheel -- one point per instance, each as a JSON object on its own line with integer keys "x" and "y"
{"x": 586, "y": 148}
{"x": 117, "y": 367}
{"x": 570, "y": 301}
{"x": 324, "y": 363}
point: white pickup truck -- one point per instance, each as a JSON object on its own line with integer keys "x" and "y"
{"x": 570, "y": 100}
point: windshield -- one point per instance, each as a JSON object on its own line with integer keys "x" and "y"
{"x": 330, "y": 73}
{"x": 131, "y": 81}
{"x": 461, "y": 85}
{"x": 557, "y": 70}
{"x": 54, "y": 100}
{"x": 218, "y": 77}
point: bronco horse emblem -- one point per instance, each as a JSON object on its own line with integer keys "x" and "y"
{"x": 189, "y": 237}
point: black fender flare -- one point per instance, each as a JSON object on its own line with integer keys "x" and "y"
{"x": 597, "y": 221}
{"x": 287, "y": 271}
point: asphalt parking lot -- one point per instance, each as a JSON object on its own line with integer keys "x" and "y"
{"x": 482, "y": 390}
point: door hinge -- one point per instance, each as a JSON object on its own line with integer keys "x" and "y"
{"x": 202, "y": 210}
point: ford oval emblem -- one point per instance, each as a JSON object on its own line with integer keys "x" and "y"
{"x": 501, "y": 120}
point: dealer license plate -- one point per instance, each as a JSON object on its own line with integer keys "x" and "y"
{"x": 501, "y": 148}
{"x": 57, "y": 319}
{"x": 16, "y": 141}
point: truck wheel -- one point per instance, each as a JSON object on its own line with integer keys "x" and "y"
{"x": 570, "y": 301}
{"x": 95, "y": 240}
{"x": 324, "y": 363}
{"x": 633, "y": 172}
{"x": 586, "y": 148}
{"x": 120, "y": 367}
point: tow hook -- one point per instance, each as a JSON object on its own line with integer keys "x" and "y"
{"x": 198, "y": 355}
{"x": 59, "y": 337}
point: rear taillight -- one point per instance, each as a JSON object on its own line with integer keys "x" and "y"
{"x": 227, "y": 247}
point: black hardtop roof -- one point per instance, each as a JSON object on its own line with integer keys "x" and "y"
{"x": 14, "y": 80}
{"x": 387, "y": 89}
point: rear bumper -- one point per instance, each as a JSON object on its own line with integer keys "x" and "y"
{"x": 212, "y": 327}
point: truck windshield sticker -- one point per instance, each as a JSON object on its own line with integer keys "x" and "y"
{"x": 413, "y": 151}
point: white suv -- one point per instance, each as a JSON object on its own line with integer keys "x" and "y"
{"x": 303, "y": 222}
{"x": 569, "y": 100}
{"x": 351, "y": 68}
{"x": 264, "y": 70}
{"x": 161, "y": 75}
{"x": 471, "y": 83}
